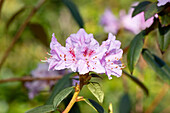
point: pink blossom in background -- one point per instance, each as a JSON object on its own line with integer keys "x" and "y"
{"x": 36, "y": 87}
{"x": 162, "y": 2}
{"x": 83, "y": 54}
{"x": 109, "y": 22}
{"x": 134, "y": 24}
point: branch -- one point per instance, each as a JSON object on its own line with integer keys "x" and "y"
{"x": 157, "y": 99}
{"x": 21, "y": 29}
{"x": 25, "y": 79}
{"x": 1, "y": 3}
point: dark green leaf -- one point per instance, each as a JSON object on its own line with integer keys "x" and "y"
{"x": 138, "y": 82}
{"x": 125, "y": 104}
{"x": 95, "y": 75}
{"x": 96, "y": 90}
{"x": 62, "y": 83}
{"x": 74, "y": 11}
{"x": 97, "y": 106}
{"x": 165, "y": 19}
{"x": 135, "y": 50}
{"x": 164, "y": 16}
{"x": 41, "y": 109}
{"x": 158, "y": 65}
{"x": 75, "y": 108}
{"x": 14, "y": 17}
{"x": 151, "y": 10}
{"x": 163, "y": 37}
{"x": 140, "y": 7}
{"x": 39, "y": 33}
{"x": 62, "y": 95}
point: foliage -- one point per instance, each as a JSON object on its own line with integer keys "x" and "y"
{"x": 32, "y": 41}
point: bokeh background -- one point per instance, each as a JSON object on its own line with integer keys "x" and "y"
{"x": 55, "y": 17}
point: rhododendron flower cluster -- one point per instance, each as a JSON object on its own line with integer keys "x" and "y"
{"x": 83, "y": 53}
{"x": 126, "y": 21}
{"x": 37, "y": 86}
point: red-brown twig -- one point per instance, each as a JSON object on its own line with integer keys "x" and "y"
{"x": 158, "y": 98}
{"x": 21, "y": 29}
{"x": 25, "y": 79}
{"x": 1, "y": 3}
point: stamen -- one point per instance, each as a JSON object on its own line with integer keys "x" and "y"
{"x": 43, "y": 60}
{"x": 64, "y": 55}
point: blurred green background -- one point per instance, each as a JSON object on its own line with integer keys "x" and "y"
{"x": 56, "y": 18}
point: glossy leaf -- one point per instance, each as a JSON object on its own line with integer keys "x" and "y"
{"x": 164, "y": 16}
{"x": 158, "y": 65}
{"x": 151, "y": 10}
{"x": 39, "y": 33}
{"x": 61, "y": 84}
{"x": 163, "y": 37}
{"x": 41, "y": 109}
{"x": 74, "y": 11}
{"x": 62, "y": 95}
{"x": 14, "y": 17}
{"x": 135, "y": 50}
{"x": 140, "y": 7}
{"x": 97, "y": 106}
{"x": 125, "y": 104}
{"x": 96, "y": 90}
{"x": 137, "y": 81}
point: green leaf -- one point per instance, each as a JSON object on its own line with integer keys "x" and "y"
{"x": 158, "y": 65}
{"x": 62, "y": 83}
{"x": 165, "y": 19}
{"x": 135, "y": 50}
{"x": 163, "y": 37}
{"x": 74, "y": 11}
{"x": 95, "y": 105}
{"x": 138, "y": 82}
{"x": 164, "y": 16}
{"x": 39, "y": 33}
{"x": 62, "y": 95}
{"x": 41, "y": 109}
{"x": 125, "y": 104}
{"x": 151, "y": 10}
{"x": 140, "y": 7}
{"x": 96, "y": 90}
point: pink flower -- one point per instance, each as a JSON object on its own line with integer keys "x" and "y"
{"x": 111, "y": 60}
{"x": 162, "y": 2}
{"x": 109, "y": 22}
{"x": 37, "y": 86}
{"x": 83, "y": 54}
{"x": 134, "y": 24}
